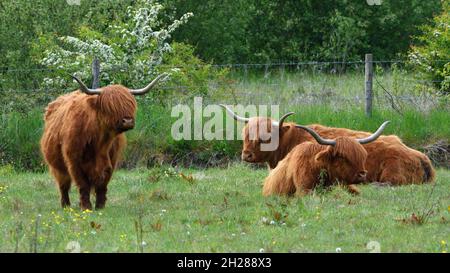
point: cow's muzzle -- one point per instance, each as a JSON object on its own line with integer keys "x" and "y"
{"x": 361, "y": 176}
{"x": 126, "y": 124}
{"x": 248, "y": 156}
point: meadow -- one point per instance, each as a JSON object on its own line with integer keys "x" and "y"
{"x": 195, "y": 196}
{"x": 221, "y": 210}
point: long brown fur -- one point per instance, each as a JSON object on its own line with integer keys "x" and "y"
{"x": 389, "y": 160}
{"x": 81, "y": 142}
{"x": 310, "y": 164}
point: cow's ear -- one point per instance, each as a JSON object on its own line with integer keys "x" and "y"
{"x": 93, "y": 101}
{"x": 284, "y": 129}
{"x": 324, "y": 156}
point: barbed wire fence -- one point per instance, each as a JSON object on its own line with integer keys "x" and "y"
{"x": 278, "y": 82}
{"x": 292, "y": 85}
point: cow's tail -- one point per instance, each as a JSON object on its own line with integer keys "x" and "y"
{"x": 428, "y": 170}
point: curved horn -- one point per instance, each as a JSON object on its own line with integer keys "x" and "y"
{"x": 280, "y": 123}
{"x": 375, "y": 135}
{"x": 316, "y": 136}
{"x": 138, "y": 92}
{"x": 236, "y": 117}
{"x": 85, "y": 89}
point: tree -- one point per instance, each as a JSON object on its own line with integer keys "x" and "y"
{"x": 432, "y": 56}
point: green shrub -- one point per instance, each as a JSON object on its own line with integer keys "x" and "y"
{"x": 431, "y": 57}
{"x": 131, "y": 51}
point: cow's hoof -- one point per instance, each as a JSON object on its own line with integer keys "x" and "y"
{"x": 99, "y": 206}
{"x": 65, "y": 204}
{"x": 86, "y": 206}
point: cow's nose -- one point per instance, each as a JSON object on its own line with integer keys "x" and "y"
{"x": 127, "y": 122}
{"x": 362, "y": 175}
{"x": 247, "y": 156}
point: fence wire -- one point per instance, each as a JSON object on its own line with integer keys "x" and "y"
{"x": 283, "y": 83}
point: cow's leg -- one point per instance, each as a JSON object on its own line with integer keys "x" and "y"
{"x": 392, "y": 177}
{"x": 84, "y": 186}
{"x": 64, "y": 191}
{"x": 64, "y": 181}
{"x": 85, "y": 200}
{"x": 303, "y": 185}
{"x": 100, "y": 195}
{"x": 302, "y": 192}
{"x": 105, "y": 164}
{"x": 75, "y": 154}
{"x": 392, "y": 173}
{"x": 101, "y": 188}
{"x": 353, "y": 189}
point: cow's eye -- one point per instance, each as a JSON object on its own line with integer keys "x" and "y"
{"x": 340, "y": 159}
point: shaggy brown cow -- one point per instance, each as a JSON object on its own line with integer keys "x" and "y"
{"x": 389, "y": 161}
{"x": 83, "y": 138}
{"x": 329, "y": 162}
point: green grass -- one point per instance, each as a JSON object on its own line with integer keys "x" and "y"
{"x": 221, "y": 210}
{"x": 20, "y": 134}
{"x": 316, "y": 97}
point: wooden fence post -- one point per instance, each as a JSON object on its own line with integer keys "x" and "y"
{"x": 369, "y": 83}
{"x": 95, "y": 73}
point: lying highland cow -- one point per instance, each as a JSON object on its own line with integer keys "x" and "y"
{"x": 83, "y": 138}
{"x": 389, "y": 160}
{"x": 327, "y": 162}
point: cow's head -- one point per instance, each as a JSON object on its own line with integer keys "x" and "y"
{"x": 115, "y": 104}
{"x": 345, "y": 157}
{"x": 261, "y": 135}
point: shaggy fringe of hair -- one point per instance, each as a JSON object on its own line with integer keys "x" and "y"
{"x": 349, "y": 148}
{"x": 117, "y": 102}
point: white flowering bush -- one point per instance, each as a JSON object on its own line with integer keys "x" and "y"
{"x": 131, "y": 52}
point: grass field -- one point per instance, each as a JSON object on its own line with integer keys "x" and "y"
{"x": 222, "y": 210}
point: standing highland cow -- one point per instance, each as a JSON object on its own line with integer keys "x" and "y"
{"x": 389, "y": 160}
{"x": 83, "y": 138}
{"x": 331, "y": 161}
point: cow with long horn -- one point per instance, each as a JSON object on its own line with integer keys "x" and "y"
{"x": 327, "y": 162}
{"x": 260, "y": 130}
{"x": 84, "y": 137}
{"x": 390, "y": 160}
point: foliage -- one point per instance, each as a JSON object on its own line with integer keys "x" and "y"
{"x": 230, "y": 31}
{"x": 264, "y": 30}
{"x": 138, "y": 43}
{"x": 22, "y": 22}
{"x": 344, "y": 39}
{"x": 432, "y": 56}
{"x": 131, "y": 52}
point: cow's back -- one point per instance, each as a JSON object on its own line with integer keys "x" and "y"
{"x": 56, "y": 118}
{"x": 296, "y": 173}
{"x": 387, "y": 156}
